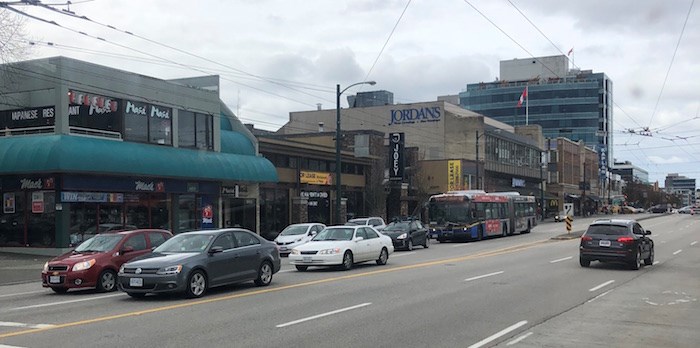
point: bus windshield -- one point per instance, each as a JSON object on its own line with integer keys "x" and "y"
{"x": 447, "y": 212}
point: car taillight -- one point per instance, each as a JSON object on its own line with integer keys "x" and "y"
{"x": 626, "y": 240}
{"x": 586, "y": 238}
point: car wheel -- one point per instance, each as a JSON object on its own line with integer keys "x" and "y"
{"x": 196, "y": 284}
{"x": 637, "y": 262}
{"x": 347, "y": 260}
{"x": 584, "y": 262}
{"x": 426, "y": 244}
{"x": 302, "y": 268}
{"x": 136, "y": 294}
{"x": 383, "y": 257}
{"x": 650, "y": 260}
{"x": 107, "y": 281}
{"x": 409, "y": 246}
{"x": 59, "y": 290}
{"x": 264, "y": 274}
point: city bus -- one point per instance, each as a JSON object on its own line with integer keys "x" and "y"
{"x": 475, "y": 214}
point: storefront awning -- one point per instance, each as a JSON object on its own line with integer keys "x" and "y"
{"x": 77, "y": 154}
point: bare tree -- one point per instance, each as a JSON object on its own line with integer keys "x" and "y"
{"x": 12, "y": 36}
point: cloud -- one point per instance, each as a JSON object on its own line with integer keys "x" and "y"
{"x": 666, "y": 160}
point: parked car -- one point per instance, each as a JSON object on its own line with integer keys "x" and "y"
{"x": 408, "y": 233}
{"x": 343, "y": 246}
{"x": 193, "y": 262}
{"x": 95, "y": 262}
{"x": 375, "y": 221}
{"x": 659, "y": 208}
{"x": 686, "y": 210}
{"x": 78, "y": 237}
{"x": 616, "y": 240}
{"x": 560, "y": 217}
{"x": 295, "y": 235}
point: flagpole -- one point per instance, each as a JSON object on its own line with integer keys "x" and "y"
{"x": 527, "y": 98}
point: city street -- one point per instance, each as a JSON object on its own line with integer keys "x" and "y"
{"x": 524, "y": 290}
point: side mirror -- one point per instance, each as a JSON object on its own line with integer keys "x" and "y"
{"x": 359, "y": 239}
{"x": 216, "y": 249}
{"x": 312, "y": 233}
{"x": 648, "y": 232}
{"x": 126, "y": 249}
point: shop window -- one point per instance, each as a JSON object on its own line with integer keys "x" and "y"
{"x": 136, "y": 122}
{"x": 185, "y": 129}
{"x": 204, "y": 132}
{"x": 195, "y": 130}
{"x": 160, "y": 212}
{"x": 160, "y": 125}
{"x": 185, "y": 216}
{"x": 12, "y": 219}
{"x": 42, "y": 217}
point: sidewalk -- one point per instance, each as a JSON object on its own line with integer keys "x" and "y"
{"x": 21, "y": 268}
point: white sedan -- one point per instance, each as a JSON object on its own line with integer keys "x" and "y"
{"x": 342, "y": 246}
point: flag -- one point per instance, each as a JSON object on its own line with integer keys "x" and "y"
{"x": 522, "y": 97}
{"x": 570, "y": 51}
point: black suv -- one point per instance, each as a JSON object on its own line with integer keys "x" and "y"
{"x": 616, "y": 240}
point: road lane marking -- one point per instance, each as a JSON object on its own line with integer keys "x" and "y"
{"x": 402, "y": 254}
{"x": 562, "y": 259}
{"x": 325, "y": 314}
{"x": 66, "y": 302}
{"x": 23, "y": 293}
{"x": 6, "y": 346}
{"x": 656, "y": 262}
{"x": 286, "y": 270}
{"x": 483, "y": 276}
{"x": 461, "y": 245}
{"x": 439, "y": 262}
{"x": 601, "y": 285}
{"x": 498, "y": 334}
{"x": 599, "y": 296}
{"x": 519, "y": 339}
{"x": 677, "y": 252}
{"x": 693, "y": 243}
{"x": 32, "y": 326}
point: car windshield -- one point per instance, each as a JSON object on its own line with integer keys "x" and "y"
{"x": 613, "y": 230}
{"x": 185, "y": 243}
{"x": 397, "y": 226}
{"x": 359, "y": 221}
{"x": 293, "y": 230}
{"x": 100, "y": 242}
{"x": 335, "y": 234}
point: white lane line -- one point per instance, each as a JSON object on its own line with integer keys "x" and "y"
{"x": 401, "y": 254}
{"x": 24, "y": 293}
{"x": 66, "y": 302}
{"x": 31, "y": 326}
{"x": 519, "y": 339}
{"x": 324, "y": 314}
{"x": 498, "y": 334}
{"x": 693, "y": 243}
{"x": 6, "y": 346}
{"x": 599, "y": 296}
{"x": 601, "y": 285}
{"x": 461, "y": 245}
{"x": 286, "y": 270}
{"x": 677, "y": 252}
{"x": 655, "y": 262}
{"x": 562, "y": 259}
{"x": 483, "y": 276}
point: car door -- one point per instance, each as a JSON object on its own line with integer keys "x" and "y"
{"x": 137, "y": 242}
{"x": 360, "y": 248}
{"x": 644, "y": 241}
{"x": 222, "y": 266}
{"x": 248, "y": 255}
{"x": 374, "y": 243}
{"x": 418, "y": 232}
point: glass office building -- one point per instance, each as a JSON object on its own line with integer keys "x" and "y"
{"x": 571, "y": 103}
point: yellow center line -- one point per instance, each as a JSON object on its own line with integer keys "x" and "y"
{"x": 286, "y": 287}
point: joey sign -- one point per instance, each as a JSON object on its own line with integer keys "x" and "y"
{"x": 396, "y": 154}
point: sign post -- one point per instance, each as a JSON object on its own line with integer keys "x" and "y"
{"x": 569, "y": 212}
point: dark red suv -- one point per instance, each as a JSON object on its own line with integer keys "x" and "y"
{"x": 95, "y": 262}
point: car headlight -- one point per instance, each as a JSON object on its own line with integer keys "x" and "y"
{"x": 402, "y": 236}
{"x": 170, "y": 270}
{"x": 329, "y": 251}
{"x": 46, "y": 266}
{"x": 300, "y": 239}
{"x": 81, "y": 266}
{"x": 121, "y": 269}
{"x": 295, "y": 252}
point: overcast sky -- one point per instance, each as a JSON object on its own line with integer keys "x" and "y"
{"x": 277, "y": 56}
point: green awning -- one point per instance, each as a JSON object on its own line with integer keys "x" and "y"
{"x": 77, "y": 154}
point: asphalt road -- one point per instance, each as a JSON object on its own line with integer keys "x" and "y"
{"x": 523, "y": 290}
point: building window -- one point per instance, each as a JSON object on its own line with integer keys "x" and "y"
{"x": 195, "y": 130}
{"x": 185, "y": 129}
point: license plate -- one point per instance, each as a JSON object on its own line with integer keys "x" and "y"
{"x": 136, "y": 282}
{"x": 306, "y": 258}
{"x": 54, "y": 279}
{"x": 604, "y": 243}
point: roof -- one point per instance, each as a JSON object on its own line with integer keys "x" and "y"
{"x": 79, "y": 154}
{"x": 619, "y": 222}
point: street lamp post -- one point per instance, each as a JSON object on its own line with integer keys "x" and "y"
{"x": 338, "y": 189}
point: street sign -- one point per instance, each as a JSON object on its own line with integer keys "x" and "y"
{"x": 568, "y": 221}
{"x": 569, "y": 209}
